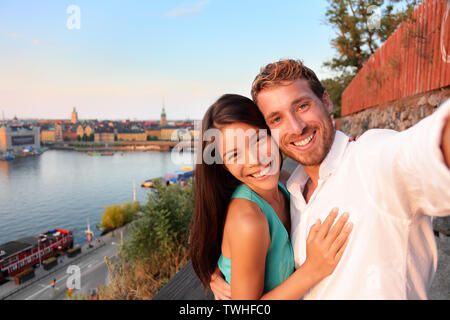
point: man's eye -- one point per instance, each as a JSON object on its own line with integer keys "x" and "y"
{"x": 275, "y": 120}
{"x": 302, "y": 106}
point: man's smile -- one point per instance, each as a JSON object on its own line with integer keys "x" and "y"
{"x": 306, "y": 143}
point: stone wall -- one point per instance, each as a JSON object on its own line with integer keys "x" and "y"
{"x": 398, "y": 115}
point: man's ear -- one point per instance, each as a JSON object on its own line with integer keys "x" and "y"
{"x": 327, "y": 102}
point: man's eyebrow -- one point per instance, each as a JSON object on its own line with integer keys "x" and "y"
{"x": 272, "y": 114}
{"x": 295, "y": 102}
{"x": 300, "y": 99}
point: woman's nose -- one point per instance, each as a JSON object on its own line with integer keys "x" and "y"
{"x": 252, "y": 154}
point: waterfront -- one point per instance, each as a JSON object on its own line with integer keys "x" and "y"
{"x": 61, "y": 189}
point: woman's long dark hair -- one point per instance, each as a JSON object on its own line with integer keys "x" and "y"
{"x": 214, "y": 185}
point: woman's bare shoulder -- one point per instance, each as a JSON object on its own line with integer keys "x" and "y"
{"x": 245, "y": 215}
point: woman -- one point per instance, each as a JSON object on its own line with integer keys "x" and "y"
{"x": 241, "y": 217}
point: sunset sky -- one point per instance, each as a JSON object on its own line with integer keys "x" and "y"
{"x": 129, "y": 55}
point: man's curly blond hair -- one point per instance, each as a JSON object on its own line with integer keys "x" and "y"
{"x": 275, "y": 73}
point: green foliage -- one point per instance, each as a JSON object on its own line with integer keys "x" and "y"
{"x": 116, "y": 216}
{"x": 335, "y": 87}
{"x": 355, "y": 40}
{"x": 164, "y": 226}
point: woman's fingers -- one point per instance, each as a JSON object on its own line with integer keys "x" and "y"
{"x": 336, "y": 229}
{"x": 326, "y": 225}
{"x": 338, "y": 246}
{"x": 341, "y": 252}
{"x": 220, "y": 288}
{"x": 313, "y": 231}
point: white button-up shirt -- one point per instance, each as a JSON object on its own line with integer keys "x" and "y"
{"x": 391, "y": 183}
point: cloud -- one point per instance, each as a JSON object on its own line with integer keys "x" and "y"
{"x": 187, "y": 9}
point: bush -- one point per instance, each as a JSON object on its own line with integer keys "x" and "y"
{"x": 164, "y": 225}
{"x": 116, "y": 216}
{"x": 156, "y": 247}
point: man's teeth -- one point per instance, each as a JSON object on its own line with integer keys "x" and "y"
{"x": 304, "y": 142}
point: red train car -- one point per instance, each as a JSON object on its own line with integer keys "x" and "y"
{"x": 15, "y": 256}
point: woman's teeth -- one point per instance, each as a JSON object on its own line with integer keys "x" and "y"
{"x": 305, "y": 141}
{"x": 263, "y": 172}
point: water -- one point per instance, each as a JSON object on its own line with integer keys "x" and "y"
{"x": 61, "y": 189}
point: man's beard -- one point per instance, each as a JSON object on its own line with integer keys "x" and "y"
{"x": 323, "y": 142}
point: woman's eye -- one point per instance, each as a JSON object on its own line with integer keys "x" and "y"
{"x": 261, "y": 138}
{"x": 235, "y": 155}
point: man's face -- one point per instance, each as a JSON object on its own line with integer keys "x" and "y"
{"x": 305, "y": 131}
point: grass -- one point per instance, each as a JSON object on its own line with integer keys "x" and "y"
{"x": 141, "y": 281}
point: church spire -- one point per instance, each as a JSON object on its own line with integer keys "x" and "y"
{"x": 163, "y": 120}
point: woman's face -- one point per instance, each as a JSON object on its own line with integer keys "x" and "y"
{"x": 250, "y": 155}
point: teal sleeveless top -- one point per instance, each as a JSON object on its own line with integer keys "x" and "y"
{"x": 280, "y": 256}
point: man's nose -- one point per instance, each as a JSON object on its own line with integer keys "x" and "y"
{"x": 295, "y": 125}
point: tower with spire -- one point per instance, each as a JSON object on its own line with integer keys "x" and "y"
{"x": 163, "y": 120}
{"x": 74, "y": 116}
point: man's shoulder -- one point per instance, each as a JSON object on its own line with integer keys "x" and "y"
{"x": 376, "y": 134}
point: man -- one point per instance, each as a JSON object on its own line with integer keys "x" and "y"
{"x": 390, "y": 182}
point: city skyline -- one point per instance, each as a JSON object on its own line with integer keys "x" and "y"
{"x": 68, "y": 118}
{"x": 123, "y": 60}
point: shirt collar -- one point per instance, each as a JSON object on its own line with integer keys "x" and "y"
{"x": 299, "y": 177}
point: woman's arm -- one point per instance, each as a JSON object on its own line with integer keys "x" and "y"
{"x": 249, "y": 241}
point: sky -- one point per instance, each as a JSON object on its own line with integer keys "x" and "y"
{"x": 122, "y": 59}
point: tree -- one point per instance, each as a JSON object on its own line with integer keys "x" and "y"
{"x": 116, "y": 216}
{"x": 335, "y": 86}
{"x": 358, "y": 37}
{"x": 164, "y": 225}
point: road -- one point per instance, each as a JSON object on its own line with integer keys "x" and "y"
{"x": 94, "y": 273}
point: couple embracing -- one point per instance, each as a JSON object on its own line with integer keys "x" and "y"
{"x": 353, "y": 221}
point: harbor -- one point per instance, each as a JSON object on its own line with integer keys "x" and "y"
{"x": 178, "y": 176}
{"x": 64, "y": 188}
